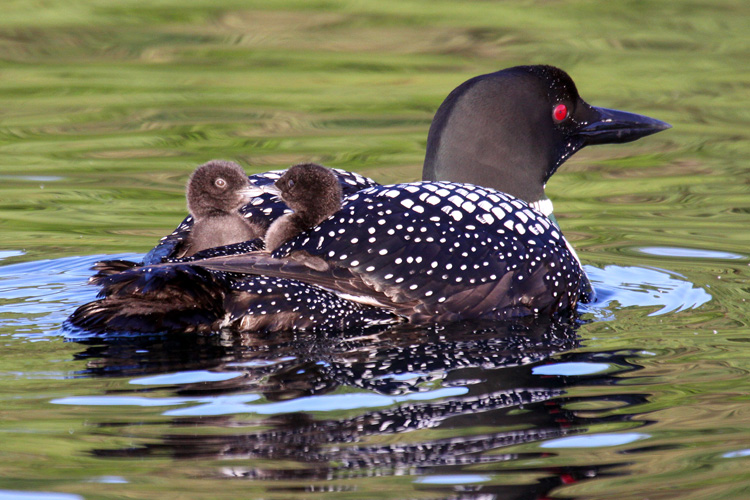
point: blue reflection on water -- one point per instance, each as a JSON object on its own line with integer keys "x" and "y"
{"x": 691, "y": 253}
{"x": 6, "y": 254}
{"x": 226, "y": 405}
{"x": 109, "y": 480}
{"x": 131, "y": 400}
{"x": 595, "y": 440}
{"x": 33, "y": 178}
{"x": 330, "y": 402}
{"x": 737, "y": 454}
{"x": 186, "y": 377}
{"x": 37, "y": 296}
{"x": 619, "y": 286}
{"x": 453, "y": 479}
{"x": 570, "y": 369}
{"x": 36, "y": 495}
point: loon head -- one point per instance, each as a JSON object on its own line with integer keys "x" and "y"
{"x": 510, "y": 130}
{"x": 217, "y": 187}
{"x": 311, "y": 190}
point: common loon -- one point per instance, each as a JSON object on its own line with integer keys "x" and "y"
{"x": 471, "y": 241}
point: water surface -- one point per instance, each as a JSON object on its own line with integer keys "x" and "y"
{"x": 105, "y": 109}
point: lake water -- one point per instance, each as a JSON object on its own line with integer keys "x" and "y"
{"x": 107, "y": 106}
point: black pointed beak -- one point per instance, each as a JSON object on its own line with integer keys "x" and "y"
{"x": 613, "y": 127}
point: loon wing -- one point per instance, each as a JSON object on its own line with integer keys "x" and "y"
{"x": 344, "y": 282}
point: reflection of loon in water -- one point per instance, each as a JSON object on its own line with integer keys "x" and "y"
{"x": 496, "y": 400}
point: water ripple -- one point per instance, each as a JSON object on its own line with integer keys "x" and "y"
{"x": 629, "y": 286}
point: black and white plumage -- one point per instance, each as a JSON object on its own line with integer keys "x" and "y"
{"x": 419, "y": 252}
{"x": 432, "y": 252}
{"x": 266, "y": 303}
{"x": 435, "y": 251}
{"x": 181, "y": 297}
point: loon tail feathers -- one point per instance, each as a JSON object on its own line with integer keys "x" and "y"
{"x": 152, "y": 299}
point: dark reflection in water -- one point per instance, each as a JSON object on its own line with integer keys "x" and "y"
{"x": 476, "y": 389}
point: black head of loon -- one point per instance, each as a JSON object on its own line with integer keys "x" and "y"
{"x": 215, "y": 193}
{"x": 313, "y": 192}
{"x": 510, "y": 130}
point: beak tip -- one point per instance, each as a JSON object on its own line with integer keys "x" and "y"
{"x": 616, "y": 126}
{"x": 659, "y": 125}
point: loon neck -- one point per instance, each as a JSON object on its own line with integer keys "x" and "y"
{"x": 543, "y": 205}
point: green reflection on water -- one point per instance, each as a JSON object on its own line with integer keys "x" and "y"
{"x": 122, "y": 100}
{"x": 107, "y": 106}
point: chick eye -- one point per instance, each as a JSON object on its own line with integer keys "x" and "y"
{"x": 290, "y": 183}
{"x": 560, "y": 112}
{"x": 220, "y": 183}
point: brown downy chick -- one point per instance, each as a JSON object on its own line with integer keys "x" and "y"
{"x": 215, "y": 193}
{"x": 313, "y": 192}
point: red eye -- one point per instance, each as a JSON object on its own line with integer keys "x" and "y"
{"x": 560, "y": 112}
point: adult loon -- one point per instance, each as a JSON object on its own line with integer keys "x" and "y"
{"x": 464, "y": 245}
